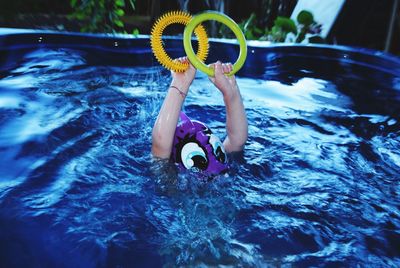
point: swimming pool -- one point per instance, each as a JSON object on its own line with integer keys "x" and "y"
{"x": 317, "y": 185}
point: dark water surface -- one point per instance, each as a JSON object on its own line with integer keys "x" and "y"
{"x": 317, "y": 185}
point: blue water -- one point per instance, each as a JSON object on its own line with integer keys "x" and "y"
{"x": 317, "y": 184}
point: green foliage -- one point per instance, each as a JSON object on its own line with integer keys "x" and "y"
{"x": 250, "y": 29}
{"x": 285, "y": 25}
{"x": 305, "y": 17}
{"x": 303, "y": 27}
{"x": 135, "y": 32}
{"x": 101, "y": 15}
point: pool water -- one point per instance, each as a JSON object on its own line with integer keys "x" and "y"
{"x": 317, "y": 184}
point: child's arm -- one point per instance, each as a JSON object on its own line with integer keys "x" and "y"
{"x": 165, "y": 125}
{"x": 236, "y": 120}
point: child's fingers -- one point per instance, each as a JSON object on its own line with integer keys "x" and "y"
{"x": 230, "y": 67}
{"x": 219, "y": 68}
{"x": 182, "y": 59}
{"x": 211, "y": 65}
{"x": 225, "y": 68}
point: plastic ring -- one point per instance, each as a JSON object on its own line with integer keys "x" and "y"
{"x": 210, "y": 15}
{"x": 156, "y": 41}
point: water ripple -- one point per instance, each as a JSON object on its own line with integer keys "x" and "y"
{"x": 317, "y": 184}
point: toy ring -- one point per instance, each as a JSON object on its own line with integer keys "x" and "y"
{"x": 229, "y": 23}
{"x": 156, "y": 42}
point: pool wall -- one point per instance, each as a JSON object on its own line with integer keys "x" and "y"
{"x": 263, "y": 57}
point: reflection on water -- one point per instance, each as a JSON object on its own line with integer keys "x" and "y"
{"x": 317, "y": 184}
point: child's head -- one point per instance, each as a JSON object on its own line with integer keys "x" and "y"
{"x": 195, "y": 147}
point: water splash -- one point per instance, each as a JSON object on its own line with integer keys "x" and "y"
{"x": 317, "y": 183}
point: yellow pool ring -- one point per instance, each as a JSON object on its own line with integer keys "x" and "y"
{"x": 156, "y": 41}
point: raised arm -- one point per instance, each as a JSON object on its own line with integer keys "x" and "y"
{"x": 236, "y": 120}
{"x": 167, "y": 119}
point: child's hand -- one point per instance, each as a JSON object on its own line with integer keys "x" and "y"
{"x": 236, "y": 120}
{"x": 226, "y": 84}
{"x": 185, "y": 79}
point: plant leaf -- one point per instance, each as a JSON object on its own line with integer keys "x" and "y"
{"x": 305, "y": 17}
{"x": 119, "y": 12}
{"x": 275, "y": 29}
{"x": 120, "y": 3}
{"x": 287, "y": 25}
{"x": 258, "y": 31}
{"x": 80, "y": 16}
{"x": 119, "y": 23}
{"x": 132, "y": 3}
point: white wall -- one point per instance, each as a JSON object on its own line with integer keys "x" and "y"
{"x": 324, "y": 11}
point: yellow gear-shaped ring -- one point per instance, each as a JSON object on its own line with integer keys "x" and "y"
{"x": 156, "y": 42}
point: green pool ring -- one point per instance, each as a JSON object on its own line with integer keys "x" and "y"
{"x": 210, "y": 15}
